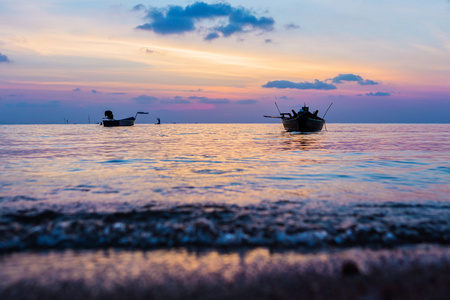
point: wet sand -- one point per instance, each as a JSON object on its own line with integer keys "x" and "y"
{"x": 410, "y": 272}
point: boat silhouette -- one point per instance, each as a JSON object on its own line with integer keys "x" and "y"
{"x": 109, "y": 120}
{"x": 301, "y": 121}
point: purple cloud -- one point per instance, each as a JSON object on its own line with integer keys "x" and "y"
{"x": 378, "y": 94}
{"x": 176, "y": 100}
{"x": 210, "y": 100}
{"x": 352, "y": 77}
{"x": 286, "y": 98}
{"x": 247, "y": 101}
{"x": 145, "y": 99}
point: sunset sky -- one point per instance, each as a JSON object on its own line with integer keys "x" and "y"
{"x": 213, "y": 61}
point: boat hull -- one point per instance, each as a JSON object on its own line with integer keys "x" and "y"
{"x": 124, "y": 122}
{"x": 303, "y": 124}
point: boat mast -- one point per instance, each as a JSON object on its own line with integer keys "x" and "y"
{"x": 327, "y": 110}
{"x": 277, "y": 108}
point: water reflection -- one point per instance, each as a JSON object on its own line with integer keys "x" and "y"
{"x": 303, "y": 142}
{"x": 230, "y": 163}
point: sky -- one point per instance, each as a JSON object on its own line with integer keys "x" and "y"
{"x": 377, "y": 61}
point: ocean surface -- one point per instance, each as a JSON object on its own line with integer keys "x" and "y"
{"x": 223, "y": 185}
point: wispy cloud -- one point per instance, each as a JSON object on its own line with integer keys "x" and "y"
{"x": 76, "y": 90}
{"x": 247, "y": 101}
{"x": 176, "y": 100}
{"x": 4, "y": 58}
{"x": 378, "y": 94}
{"x": 210, "y": 100}
{"x": 352, "y": 77}
{"x": 151, "y": 51}
{"x": 139, "y": 7}
{"x": 286, "y": 98}
{"x": 194, "y": 91}
{"x": 285, "y": 84}
{"x": 290, "y": 26}
{"x": 144, "y": 99}
{"x": 179, "y": 20}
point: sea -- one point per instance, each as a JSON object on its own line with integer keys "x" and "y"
{"x": 152, "y": 186}
{"x": 221, "y": 211}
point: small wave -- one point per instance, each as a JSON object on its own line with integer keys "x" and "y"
{"x": 75, "y": 170}
{"x": 101, "y": 189}
{"x": 403, "y": 205}
{"x": 187, "y": 133}
{"x": 209, "y": 171}
{"x": 282, "y": 224}
{"x": 442, "y": 169}
{"x": 117, "y": 161}
{"x": 17, "y": 198}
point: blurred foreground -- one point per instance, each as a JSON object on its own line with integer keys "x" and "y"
{"x": 415, "y": 272}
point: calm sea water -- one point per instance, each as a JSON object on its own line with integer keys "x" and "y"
{"x": 223, "y": 184}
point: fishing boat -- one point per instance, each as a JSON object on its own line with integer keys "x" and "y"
{"x": 302, "y": 121}
{"x": 109, "y": 120}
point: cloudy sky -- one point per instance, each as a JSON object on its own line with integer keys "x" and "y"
{"x": 214, "y": 61}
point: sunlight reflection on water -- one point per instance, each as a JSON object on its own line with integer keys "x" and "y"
{"x": 108, "y": 168}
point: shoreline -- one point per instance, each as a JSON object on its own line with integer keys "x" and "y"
{"x": 279, "y": 224}
{"x": 409, "y": 272}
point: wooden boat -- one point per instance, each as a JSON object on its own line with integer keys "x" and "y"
{"x": 302, "y": 121}
{"x": 109, "y": 121}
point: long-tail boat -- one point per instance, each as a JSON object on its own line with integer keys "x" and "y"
{"x": 301, "y": 121}
{"x": 109, "y": 120}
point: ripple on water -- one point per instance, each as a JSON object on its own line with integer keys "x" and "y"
{"x": 101, "y": 169}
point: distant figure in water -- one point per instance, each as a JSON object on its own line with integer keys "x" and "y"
{"x": 109, "y": 115}
{"x": 158, "y": 121}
